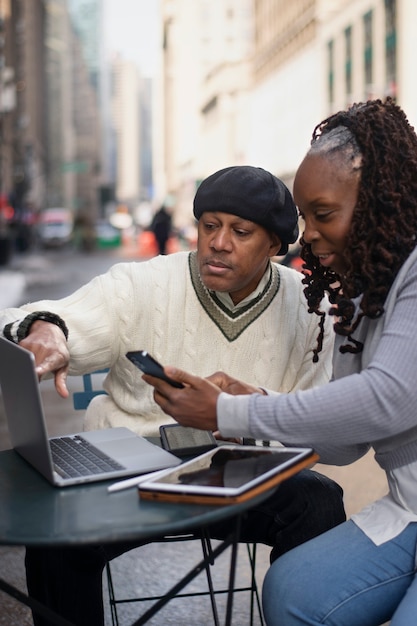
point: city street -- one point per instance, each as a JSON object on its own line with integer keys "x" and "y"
{"x": 152, "y": 568}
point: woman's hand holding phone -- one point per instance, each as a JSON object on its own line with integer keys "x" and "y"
{"x": 193, "y": 405}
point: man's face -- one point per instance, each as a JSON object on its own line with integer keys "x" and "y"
{"x": 233, "y": 253}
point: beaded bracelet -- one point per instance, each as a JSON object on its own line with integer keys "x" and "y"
{"x": 23, "y": 328}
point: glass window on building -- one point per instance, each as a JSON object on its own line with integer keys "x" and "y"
{"x": 391, "y": 47}
{"x": 348, "y": 64}
{"x": 330, "y": 71}
{"x": 368, "y": 54}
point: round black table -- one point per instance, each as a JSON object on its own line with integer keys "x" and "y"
{"x": 34, "y": 513}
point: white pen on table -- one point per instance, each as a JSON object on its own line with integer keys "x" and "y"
{"x": 133, "y": 482}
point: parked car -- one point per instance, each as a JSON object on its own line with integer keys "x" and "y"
{"x": 107, "y": 236}
{"x": 55, "y": 227}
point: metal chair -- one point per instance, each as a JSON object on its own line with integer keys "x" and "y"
{"x": 81, "y": 400}
{"x": 207, "y": 550}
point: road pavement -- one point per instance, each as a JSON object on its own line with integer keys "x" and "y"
{"x": 151, "y": 569}
{"x": 12, "y": 286}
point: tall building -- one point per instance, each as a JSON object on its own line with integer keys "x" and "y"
{"x": 87, "y": 17}
{"x": 287, "y": 97}
{"x": 248, "y": 81}
{"x": 226, "y": 53}
{"x": 126, "y": 116}
{"x": 59, "y": 107}
{"x": 146, "y": 139}
{"x": 23, "y": 139}
{"x": 207, "y": 46}
{"x": 72, "y": 116}
{"x": 86, "y": 163}
{"x": 314, "y": 57}
{"x": 125, "y": 163}
{"x": 366, "y": 51}
{"x": 7, "y": 103}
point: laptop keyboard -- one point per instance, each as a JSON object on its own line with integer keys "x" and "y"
{"x": 75, "y": 456}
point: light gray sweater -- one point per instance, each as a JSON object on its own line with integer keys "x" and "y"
{"x": 371, "y": 403}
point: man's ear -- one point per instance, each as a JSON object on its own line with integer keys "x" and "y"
{"x": 275, "y": 246}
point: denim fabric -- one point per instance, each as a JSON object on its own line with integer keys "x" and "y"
{"x": 343, "y": 579}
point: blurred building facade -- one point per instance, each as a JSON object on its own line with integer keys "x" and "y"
{"x": 88, "y": 17}
{"x": 87, "y": 126}
{"x": 125, "y": 114}
{"x": 22, "y": 121}
{"x": 239, "y": 81}
{"x": 49, "y": 148}
{"x": 85, "y": 165}
{"x": 75, "y": 128}
{"x": 288, "y": 71}
{"x": 206, "y": 81}
{"x": 247, "y": 81}
{"x": 58, "y": 103}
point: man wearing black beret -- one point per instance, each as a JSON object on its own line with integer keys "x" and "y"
{"x": 226, "y": 306}
{"x": 253, "y": 194}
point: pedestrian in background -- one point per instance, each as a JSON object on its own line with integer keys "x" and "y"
{"x": 161, "y": 226}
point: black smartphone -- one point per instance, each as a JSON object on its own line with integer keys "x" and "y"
{"x": 145, "y": 362}
{"x": 184, "y": 441}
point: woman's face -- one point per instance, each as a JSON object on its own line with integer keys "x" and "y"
{"x": 325, "y": 191}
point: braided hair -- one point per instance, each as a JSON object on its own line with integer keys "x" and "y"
{"x": 375, "y": 138}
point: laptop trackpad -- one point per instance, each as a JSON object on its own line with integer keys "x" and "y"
{"x": 130, "y": 449}
{"x": 127, "y": 447}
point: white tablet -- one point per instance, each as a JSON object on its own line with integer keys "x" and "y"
{"x": 227, "y": 474}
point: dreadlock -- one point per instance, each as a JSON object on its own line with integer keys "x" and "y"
{"x": 376, "y": 138}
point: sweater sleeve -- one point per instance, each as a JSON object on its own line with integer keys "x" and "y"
{"x": 234, "y": 420}
{"x": 361, "y": 408}
{"x": 97, "y": 316}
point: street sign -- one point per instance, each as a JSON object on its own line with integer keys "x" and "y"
{"x": 78, "y": 167}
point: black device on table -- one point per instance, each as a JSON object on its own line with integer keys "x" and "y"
{"x": 184, "y": 441}
{"x": 145, "y": 362}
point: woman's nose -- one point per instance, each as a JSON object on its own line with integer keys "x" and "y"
{"x": 310, "y": 233}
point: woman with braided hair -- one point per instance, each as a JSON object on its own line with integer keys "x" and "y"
{"x": 356, "y": 190}
{"x": 383, "y": 229}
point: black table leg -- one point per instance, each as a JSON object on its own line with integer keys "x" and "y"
{"x": 232, "y": 572}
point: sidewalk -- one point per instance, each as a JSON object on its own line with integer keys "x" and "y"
{"x": 12, "y": 286}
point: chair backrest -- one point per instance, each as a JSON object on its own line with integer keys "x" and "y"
{"x": 81, "y": 399}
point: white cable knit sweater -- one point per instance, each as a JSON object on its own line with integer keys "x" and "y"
{"x": 154, "y": 306}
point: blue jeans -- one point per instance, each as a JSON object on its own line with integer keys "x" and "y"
{"x": 341, "y": 578}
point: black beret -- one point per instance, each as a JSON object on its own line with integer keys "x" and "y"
{"x": 253, "y": 194}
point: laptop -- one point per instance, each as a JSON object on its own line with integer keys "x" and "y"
{"x": 111, "y": 453}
